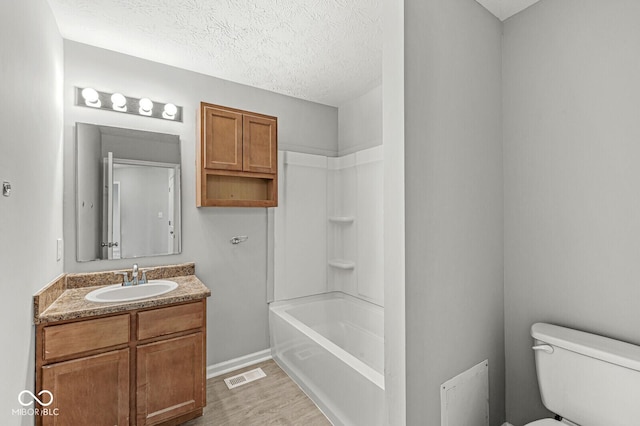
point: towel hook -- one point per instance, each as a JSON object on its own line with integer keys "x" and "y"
{"x": 239, "y": 239}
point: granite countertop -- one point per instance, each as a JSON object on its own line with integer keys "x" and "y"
{"x": 64, "y": 298}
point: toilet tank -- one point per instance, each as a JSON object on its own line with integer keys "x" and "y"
{"x": 588, "y": 379}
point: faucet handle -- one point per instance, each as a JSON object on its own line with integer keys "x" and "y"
{"x": 125, "y": 278}
{"x": 143, "y": 280}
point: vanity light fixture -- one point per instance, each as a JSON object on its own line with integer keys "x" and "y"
{"x": 146, "y": 106}
{"x": 170, "y": 111}
{"x": 119, "y": 102}
{"x": 90, "y": 97}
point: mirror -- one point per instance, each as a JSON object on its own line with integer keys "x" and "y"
{"x": 127, "y": 193}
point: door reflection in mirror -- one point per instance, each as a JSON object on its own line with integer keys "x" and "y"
{"x": 128, "y": 193}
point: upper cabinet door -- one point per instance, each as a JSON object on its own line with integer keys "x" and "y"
{"x": 222, "y": 133}
{"x": 260, "y": 144}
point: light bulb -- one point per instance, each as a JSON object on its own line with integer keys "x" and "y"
{"x": 91, "y": 97}
{"x": 170, "y": 111}
{"x": 119, "y": 102}
{"x": 146, "y": 106}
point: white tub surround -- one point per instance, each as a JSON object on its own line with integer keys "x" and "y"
{"x": 355, "y": 245}
{"x": 329, "y": 226}
{"x": 332, "y": 345}
{"x": 300, "y": 226}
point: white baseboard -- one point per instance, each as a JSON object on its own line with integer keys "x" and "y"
{"x": 236, "y": 363}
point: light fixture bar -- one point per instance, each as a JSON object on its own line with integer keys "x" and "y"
{"x": 86, "y": 97}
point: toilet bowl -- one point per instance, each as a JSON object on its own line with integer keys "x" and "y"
{"x": 551, "y": 422}
{"x": 601, "y": 375}
{"x": 545, "y": 422}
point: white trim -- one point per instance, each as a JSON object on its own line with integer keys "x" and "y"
{"x": 506, "y": 424}
{"x": 360, "y": 147}
{"x": 307, "y": 150}
{"x": 342, "y": 162}
{"x": 306, "y": 160}
{"x": 370, "y": 155}
{"x": 237, "y": 363}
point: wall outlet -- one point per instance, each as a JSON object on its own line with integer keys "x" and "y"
{"x": 59, "y": 249}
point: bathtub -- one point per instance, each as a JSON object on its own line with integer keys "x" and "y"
{"x": 332, "y": 346}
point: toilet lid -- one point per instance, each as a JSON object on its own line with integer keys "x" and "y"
{"x": 545, "y": 422}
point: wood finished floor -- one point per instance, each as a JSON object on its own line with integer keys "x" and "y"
{"x": 272, "y": 400}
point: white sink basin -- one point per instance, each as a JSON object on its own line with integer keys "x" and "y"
{"x": 118, "y": 293}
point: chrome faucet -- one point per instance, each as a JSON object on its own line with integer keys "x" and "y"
{"x": 134, "y": 275}
{"x": 125, "y": 278}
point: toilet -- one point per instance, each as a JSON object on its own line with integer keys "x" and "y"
{"x": 585, "y": 379}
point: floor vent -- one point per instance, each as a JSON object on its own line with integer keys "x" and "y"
{"x": 244, "y": 378}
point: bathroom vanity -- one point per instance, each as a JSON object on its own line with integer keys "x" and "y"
{"x": 140, "y": 363}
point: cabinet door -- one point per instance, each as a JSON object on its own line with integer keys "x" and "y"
{"x": 259, "y": 141}
{"x": 170, "y": 378}
{"x": 222, "y": 136}
{"x": 89, "y": 391}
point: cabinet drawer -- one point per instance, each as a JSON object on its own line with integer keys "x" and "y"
{"x": 159, "y": 322}
{"x": 83, "y": 336}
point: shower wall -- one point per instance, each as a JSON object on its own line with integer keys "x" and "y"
{"x": 328, "y": 226}
{"x": 300, "y": 226}
{"x": 355, "y": 225}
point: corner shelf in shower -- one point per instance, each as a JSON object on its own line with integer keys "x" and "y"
{"x": 342, "y": 264}
{"x": 342, "y": 219}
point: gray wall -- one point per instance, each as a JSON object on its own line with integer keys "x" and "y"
{"x": 453, "y": 168}
{"x": 571, "y": 153}
{"x": 360, "y": 122}
{"x": 31, "y": 158}
{"x": 237, "y": 322}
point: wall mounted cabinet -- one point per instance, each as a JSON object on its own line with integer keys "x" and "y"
{"x": 237, "y": 158}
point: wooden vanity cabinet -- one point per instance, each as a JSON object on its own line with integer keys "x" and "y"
{"x": 237, "y": 158}
{"x": 142, "y": 367}
{"x": 170, "y": 369}
{"x": 92, "y": 390}
{"x": 169, "y": 379}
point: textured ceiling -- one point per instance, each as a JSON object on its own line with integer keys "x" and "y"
{"x": 504, "y": 9}
{"x": 327, "y": 51}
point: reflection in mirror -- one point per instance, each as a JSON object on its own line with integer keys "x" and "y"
{"x": 127, "y": 193}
